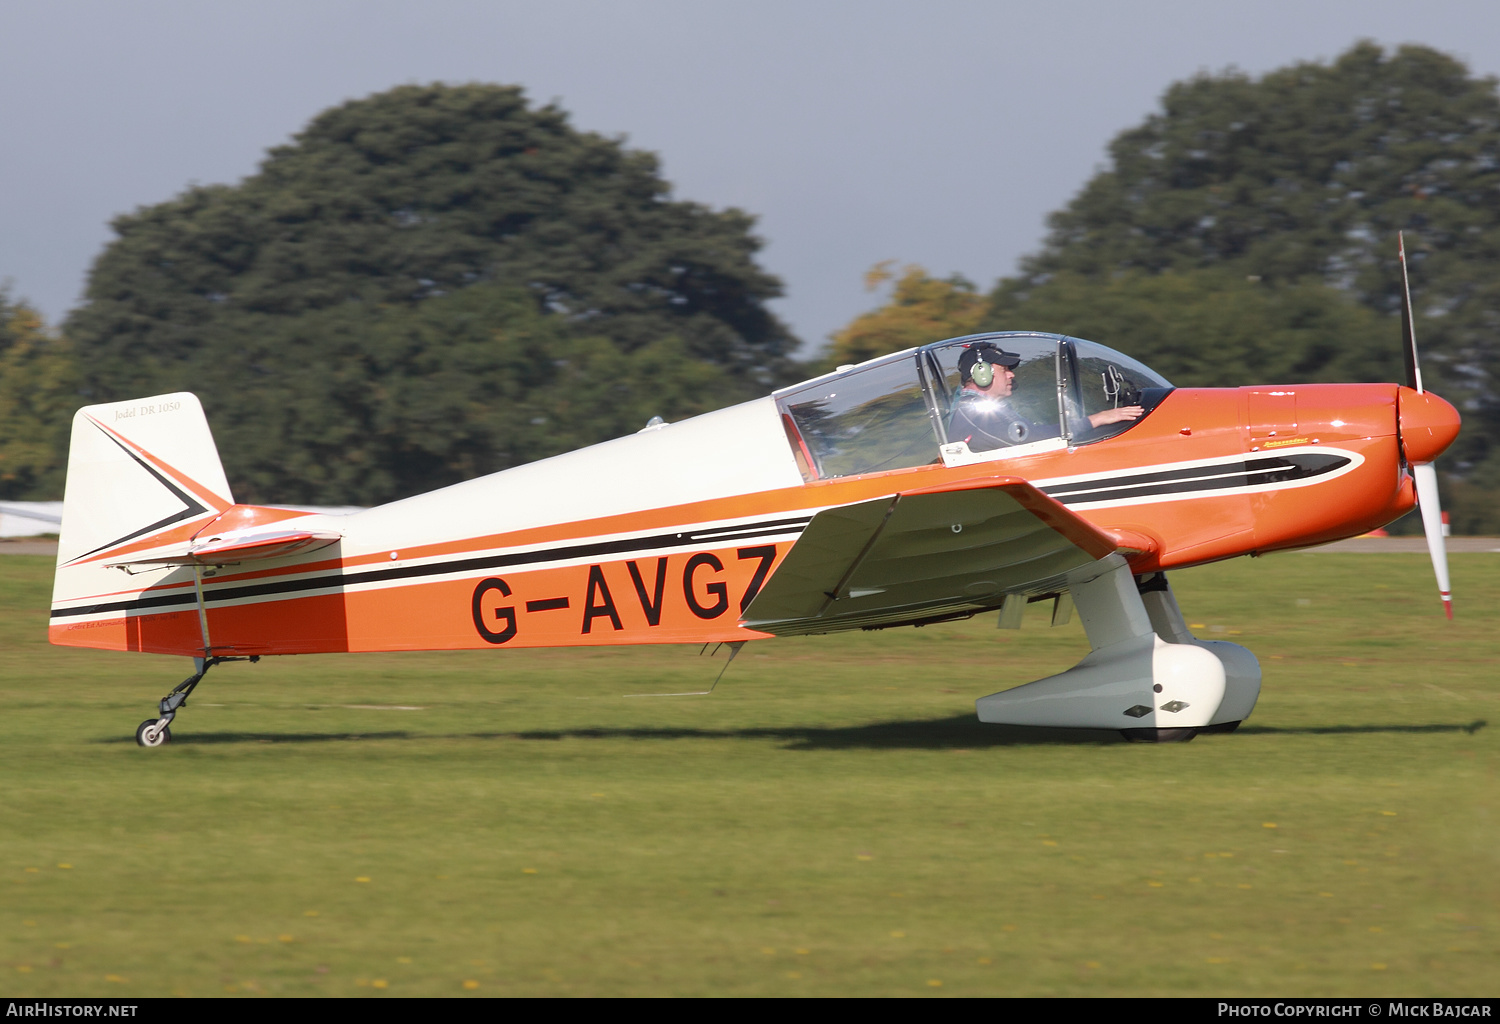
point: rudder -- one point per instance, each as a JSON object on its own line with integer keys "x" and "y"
{"x": 141, "y": 474}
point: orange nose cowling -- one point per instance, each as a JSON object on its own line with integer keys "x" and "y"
{"x": 1428, "y": 424}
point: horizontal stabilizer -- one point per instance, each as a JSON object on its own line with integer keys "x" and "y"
{"x": 924, "y": 555}
{"x": 232, "y": 549}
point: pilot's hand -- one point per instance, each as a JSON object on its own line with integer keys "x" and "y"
{"x": 1120, "y": 415}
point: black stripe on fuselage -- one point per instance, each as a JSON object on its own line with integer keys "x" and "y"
{"x": 1259, "y": 472}
{"x": 324, "y": 581}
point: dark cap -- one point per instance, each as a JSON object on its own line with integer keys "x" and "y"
{"x": 990, "y": 353}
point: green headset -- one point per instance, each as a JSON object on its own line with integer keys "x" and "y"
{"x": 983, "y": 373}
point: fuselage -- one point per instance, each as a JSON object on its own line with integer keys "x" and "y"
{"x": 666, "y": 536}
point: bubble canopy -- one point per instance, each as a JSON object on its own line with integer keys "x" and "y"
{"x": 911, "y": 408}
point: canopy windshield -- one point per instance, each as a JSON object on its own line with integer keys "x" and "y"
{"x": 912, "y": 408}
{"x": 870, "y": 419}
{"x": 1026, "y": 414}
{"x": 1104, "y": 379}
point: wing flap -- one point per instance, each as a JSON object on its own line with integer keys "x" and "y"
{"x": 924, "y": 554}
{"x": 824, "y": 556}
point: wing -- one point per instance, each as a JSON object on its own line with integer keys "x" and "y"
{"x": 924, "y": 555}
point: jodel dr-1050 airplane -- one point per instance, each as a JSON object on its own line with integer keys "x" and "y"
{"x": 966, "y": 476}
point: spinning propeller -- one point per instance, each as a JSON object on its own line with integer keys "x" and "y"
{"x": 1416, "y": 421}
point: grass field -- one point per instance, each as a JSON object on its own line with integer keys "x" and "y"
{"x": 833, "y": 820}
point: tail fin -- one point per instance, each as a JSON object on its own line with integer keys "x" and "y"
{"x": 140, "y": 474}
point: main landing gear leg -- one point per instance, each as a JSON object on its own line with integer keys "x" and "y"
{"x": 154, "y": 732}
{"x": 1133, "y": 680}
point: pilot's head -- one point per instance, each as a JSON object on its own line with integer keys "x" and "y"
{"x": 986, "y": 367}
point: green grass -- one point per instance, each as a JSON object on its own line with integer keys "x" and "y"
{"x": 833, "y": 820}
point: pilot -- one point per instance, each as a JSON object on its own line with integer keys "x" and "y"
{"x": 983, "y": 416}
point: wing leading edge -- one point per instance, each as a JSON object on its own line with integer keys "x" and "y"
{"x": 924, "y": 555}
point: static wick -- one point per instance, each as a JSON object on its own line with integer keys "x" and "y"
{"x": 734, "y": 649}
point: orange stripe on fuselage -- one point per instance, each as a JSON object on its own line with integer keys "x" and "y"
{"x": 681, "y": 597}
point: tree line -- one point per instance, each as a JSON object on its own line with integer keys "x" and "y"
{"x": 442, "y": 281}
{"x": 1246, "y": 233}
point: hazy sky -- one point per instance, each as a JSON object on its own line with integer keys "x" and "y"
{"x": 937, "y": 132}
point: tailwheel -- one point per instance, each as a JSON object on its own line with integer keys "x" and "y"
{"x": 151, "y": 734}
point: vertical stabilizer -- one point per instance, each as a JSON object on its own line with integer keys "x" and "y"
{"x": 135, "y": 470}
{"x": 142, "y": 474}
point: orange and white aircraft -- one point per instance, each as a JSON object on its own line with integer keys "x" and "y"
{"x": 863, "y": 499}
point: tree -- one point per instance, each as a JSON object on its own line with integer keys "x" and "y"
{"x": 1246, "y": 233}
{"x": 1302, "y": 178}
{"x": 417, "y": 264}
{"x": 1209, "y": 327}
{"x": 921, "y": 309}
{"x": 38, "y": 393}
{"x": 405, "y": 399}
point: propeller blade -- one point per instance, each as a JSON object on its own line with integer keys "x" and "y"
{"x": 1423, "y": 472}
{"x": 1432, "y": 523}
{"x": 1408, "y": 328}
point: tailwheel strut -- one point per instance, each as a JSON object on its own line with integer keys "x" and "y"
{"x": 154, "y": 732}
